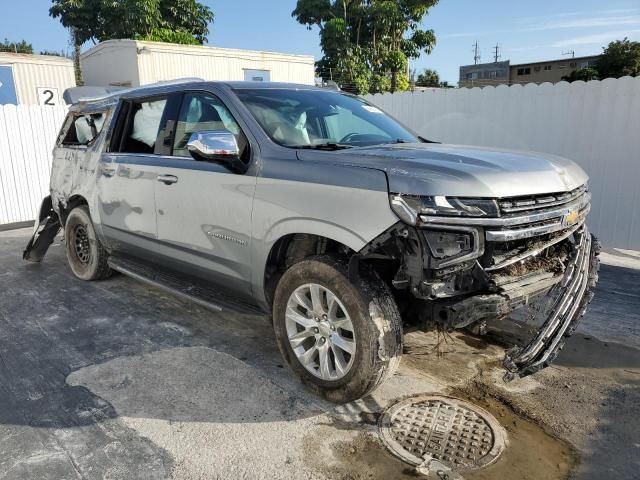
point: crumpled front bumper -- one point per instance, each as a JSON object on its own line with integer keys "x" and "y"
{"x": 574, "y": 293}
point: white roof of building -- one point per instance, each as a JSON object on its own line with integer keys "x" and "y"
{"x": 195, "y": 50}
{"x": 9, "y": 58}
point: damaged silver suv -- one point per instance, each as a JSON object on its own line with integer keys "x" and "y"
{"x": 317, "y": 208}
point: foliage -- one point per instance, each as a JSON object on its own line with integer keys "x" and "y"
{"x": 428, "y": 78}
{"x": 367, "y": 43}
{"x": 53, "y": 53}
{"x": 175, "y": 21}
{"x": 179, "y": 21}
{"x": 585, "y": 74}
{"x": 16, "y": 47}
{"x": 620, "y": 58}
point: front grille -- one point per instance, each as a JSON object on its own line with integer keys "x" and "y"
{"x": 536, "y": 202}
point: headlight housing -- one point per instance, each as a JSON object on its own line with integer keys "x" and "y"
{"x": 410, "y": 207}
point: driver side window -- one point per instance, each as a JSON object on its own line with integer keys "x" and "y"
{"x": 343, "y": 123}
{"x": 202, "y": 112}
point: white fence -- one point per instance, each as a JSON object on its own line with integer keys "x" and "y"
{"x": 596, "y": 124}
{"x": 27, "y": 136}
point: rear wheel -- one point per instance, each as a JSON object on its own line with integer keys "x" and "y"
{"x": 343, "y": 339}
{"x": 86, "y": 256}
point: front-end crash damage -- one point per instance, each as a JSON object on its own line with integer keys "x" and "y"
{"x": 482, "y": 260}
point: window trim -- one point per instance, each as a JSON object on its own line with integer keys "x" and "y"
{"x": 201, "y": 92}
{"x": 124, "y": 120}
{"x": 66, "y": 126}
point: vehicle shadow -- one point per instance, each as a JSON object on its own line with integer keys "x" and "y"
{"x": 76, "y": 353}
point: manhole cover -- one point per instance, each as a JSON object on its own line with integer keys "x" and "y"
{"x": 455, "y": 433}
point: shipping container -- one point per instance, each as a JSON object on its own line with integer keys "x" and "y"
{"x": 134, "y": 63}
{"x": 34, "y": 79}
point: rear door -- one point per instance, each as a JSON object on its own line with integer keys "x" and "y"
{"x": 128, "y": 175}
{"x": 204, "y": 213}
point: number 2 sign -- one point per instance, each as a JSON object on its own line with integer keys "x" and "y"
{"x": 48, "y": 96}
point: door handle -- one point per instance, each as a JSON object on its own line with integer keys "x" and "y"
{"x": 167, "y": 179}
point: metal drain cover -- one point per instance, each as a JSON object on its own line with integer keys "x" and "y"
{"x": 446, "y": 430}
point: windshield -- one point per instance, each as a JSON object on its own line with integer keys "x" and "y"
{"x": 317, "y": 118}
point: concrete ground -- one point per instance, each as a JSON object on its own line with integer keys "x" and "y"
{"x": 114, "y": 380}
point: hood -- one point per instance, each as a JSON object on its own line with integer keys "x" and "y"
{"x": 463, "y": 171}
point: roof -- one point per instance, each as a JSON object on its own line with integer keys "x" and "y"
{"x": 9, "y": 57}
{"x": 208, "y": 50}
{"x": 572, "y": 59}
{"x": 239, "y": 85}
{"x": 82, "y": 96}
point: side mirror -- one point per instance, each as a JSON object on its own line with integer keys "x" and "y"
{"x": 218, "y": 146}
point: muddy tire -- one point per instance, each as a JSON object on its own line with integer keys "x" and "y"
{"x": 86, "y": 256}
{"x": 343, "y": 339}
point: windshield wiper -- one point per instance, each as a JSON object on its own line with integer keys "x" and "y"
{"x": 323, "y": 146}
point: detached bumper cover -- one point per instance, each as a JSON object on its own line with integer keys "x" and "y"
{"x": 574, "y": 295}
{"x": 45, "y": 229}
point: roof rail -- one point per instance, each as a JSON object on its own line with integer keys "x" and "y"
{"x": 87, "y": 93}
{"x": 77, "y": 94}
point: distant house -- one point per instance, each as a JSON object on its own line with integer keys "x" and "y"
{"x": 133, "y": 63}
{"x": 552, "y": 71}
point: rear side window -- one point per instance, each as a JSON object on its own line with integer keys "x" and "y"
{"x": 81, "y": 130}
{"x": 138, "y": 126}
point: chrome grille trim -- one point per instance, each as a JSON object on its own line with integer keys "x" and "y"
{"x": 531, "y": 253}
{"x": 531, "y": 217}
{"x": 536, "y": 202}
{"x": 555, "y": 225}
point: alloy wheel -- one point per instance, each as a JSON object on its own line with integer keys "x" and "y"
{"x": 320, "y": 331}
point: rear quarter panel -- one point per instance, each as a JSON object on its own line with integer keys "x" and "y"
{"x": 74, "y": 173}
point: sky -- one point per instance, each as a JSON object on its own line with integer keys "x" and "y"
{"x": 525, "y": 31}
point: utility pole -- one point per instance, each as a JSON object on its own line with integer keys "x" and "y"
{"x": 476, "y": 53}
{"x": 496, "y": 53}
{"x": 570, "y": 52}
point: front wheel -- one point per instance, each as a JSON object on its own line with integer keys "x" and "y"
{"x": 343, "y": 339}
{"x": 86, "y": 256}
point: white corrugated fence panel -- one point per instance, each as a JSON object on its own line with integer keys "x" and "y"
{"x": 27, "y": 137}
{"x": 596, "y": 124}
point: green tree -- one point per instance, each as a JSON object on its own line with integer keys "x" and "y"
{"x": 428, "y": 78}
{"x": 367, "y": 44}
{"x": 16, "y": 47}
{"x": 620, "y": 58}
{"x": 585, "y": 74}
{"x": 175, "y": 21}
{"x": 53, "y": 53}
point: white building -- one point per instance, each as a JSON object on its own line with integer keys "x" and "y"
{"x": 34, "y": 79}
{"x": 135, "y": 63}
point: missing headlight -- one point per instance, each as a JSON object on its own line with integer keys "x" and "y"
{"x": 448, "y": 244}
{"x": 453, "y": 245}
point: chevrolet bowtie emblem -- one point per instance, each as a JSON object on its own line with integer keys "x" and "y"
{"x": 570, "y": 218}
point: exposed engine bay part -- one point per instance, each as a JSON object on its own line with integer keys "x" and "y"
{"x": 45, "y": 229}
{"x": 454, "y": 278}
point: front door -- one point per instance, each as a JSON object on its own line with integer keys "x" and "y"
{"x": 204, "y": 209}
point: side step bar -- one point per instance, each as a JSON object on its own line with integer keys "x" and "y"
{"x": 203, "y": 295}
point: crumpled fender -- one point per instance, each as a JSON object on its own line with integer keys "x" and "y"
{"x": 45, "y": 229}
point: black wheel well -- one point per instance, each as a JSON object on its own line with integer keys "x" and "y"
{"x": 292, "y": 248}
{"x": 73, "y": 202}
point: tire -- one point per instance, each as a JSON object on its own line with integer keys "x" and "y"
{"x": 366, "y": 306}
{"x": 86, "y": 256}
